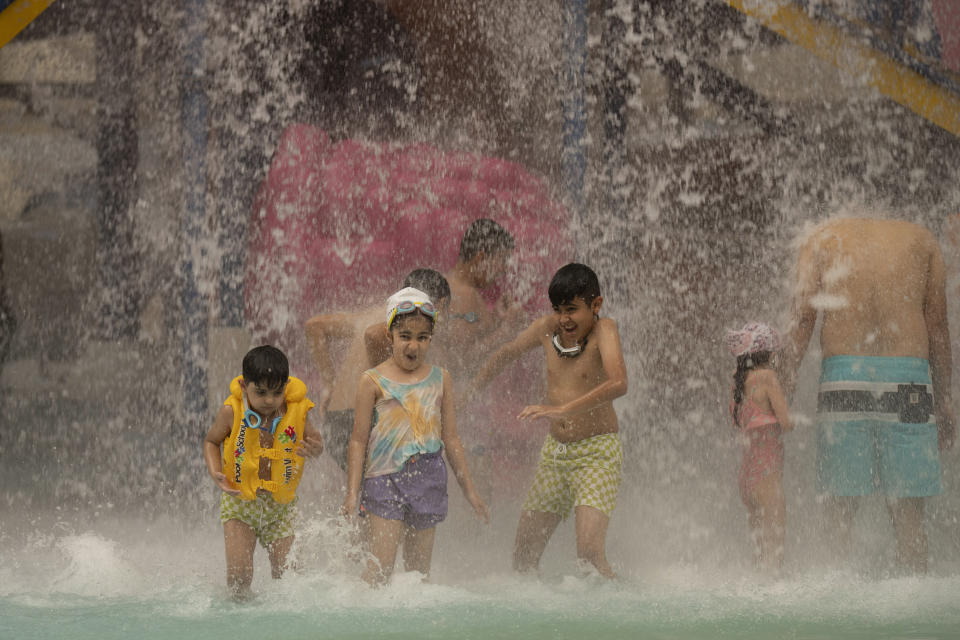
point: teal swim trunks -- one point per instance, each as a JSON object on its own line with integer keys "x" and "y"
{"x": 270, "y": 520}
{"x": 876, "y": 431}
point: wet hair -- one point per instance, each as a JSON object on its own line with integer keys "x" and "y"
{"x": 745, "y": 364}
{"x": 486, "y": 236}
{"x": 266, "y": 366}
{"x": 430, "y": 282}
{"x": 573, "y": 281}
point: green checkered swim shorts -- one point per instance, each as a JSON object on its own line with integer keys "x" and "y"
{"x": 270, "y": 520}
{"x": 572, "y": 474}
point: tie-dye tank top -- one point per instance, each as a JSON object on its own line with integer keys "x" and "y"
{"x": 406, "y": 422}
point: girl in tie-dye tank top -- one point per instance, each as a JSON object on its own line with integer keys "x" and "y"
{"x": 404, "y": 421}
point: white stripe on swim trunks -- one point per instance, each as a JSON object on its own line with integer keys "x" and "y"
{"x": 876, "y": 388}
{"x": 846, "y": 416}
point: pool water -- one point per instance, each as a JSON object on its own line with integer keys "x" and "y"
{"x": 125, "y": 577}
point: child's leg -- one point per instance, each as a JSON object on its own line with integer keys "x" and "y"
{"x": 239, "y": 541}
{"x": 278, "y": 550}
{"x": 772, "y": 512}
{"x": 384, "y": 539}
{"x": 418, "y": 549}
{"x": 592, "y": 538}
{"x": 533, "y": 533}
{"x": 754, "y": 521}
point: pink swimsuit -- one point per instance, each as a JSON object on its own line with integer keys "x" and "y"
{"x": 763, "y": 448}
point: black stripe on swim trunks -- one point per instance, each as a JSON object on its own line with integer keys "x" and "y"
{"x": 912, "y": 402}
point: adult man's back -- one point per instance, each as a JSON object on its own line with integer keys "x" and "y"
{"x": 881, "y": 287}
{"x": 872, "y": 279}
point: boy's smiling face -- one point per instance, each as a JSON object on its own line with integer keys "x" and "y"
{"x": 576, "y": 319}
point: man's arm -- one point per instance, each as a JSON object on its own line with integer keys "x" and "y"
{"x": 803, "y": 315}
{"x": 938, "y": 333}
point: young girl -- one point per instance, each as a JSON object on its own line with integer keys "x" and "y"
{"x": 404, "y": 420}
{"x": 760, "y": 415}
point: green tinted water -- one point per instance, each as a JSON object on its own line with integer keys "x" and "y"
{"x": 327, "y": 605}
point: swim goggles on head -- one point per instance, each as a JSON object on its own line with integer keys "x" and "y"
{"x": 469, "y": 316}
{"x": 254, "y": 421}
{"x": 408, "y": 306}
{"x": 568, "y": 352}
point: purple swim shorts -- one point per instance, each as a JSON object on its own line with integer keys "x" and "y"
{"x": 417, "y": 494}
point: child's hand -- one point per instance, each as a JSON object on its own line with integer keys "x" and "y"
{"x": 221, "y": 481}
{"x": 349, "y": 508}
{"x": 310, "y": 446}
{"x": 479, "y": 507}
{"x": 536, "y": 411}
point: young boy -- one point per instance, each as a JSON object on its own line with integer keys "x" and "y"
{"x": 368, "y": 347}
{"x": 581, "y": 459}
{"x": 254, "y": 453}
{"x": 485, "y": 250}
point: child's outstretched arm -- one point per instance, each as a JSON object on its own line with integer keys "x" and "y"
{"x": 219, "y": 431}
{"x": 454, "y": 449}
{"x": 320, "y": 330}
{"x": 611, "y": 357}
{"x": 357, "y": 447}
{"x": 511, "y": 351}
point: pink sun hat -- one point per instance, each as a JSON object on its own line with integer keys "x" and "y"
{"x": 753, "y": 337}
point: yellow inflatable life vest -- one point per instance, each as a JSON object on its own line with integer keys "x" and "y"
{"x": 242, "y": 451}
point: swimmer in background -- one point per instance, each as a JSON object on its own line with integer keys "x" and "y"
{"x": 581, "y": 460}
{"x": 405, "y": 421}
{"x": 885, "y": 407}
{"x": 368, "y": 347}
{"x": 265, "y": 414}
{"x": 485, "y": 252}
{"x": 761, "y": 416}
{"x": 477, "y": 329}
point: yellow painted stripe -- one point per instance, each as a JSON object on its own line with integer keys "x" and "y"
{"x": 828, "y": 42}
{"x": 17, "y": 15}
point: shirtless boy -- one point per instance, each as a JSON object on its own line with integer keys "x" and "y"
{"x": 580, "y": 462}
{"x": 884, "y": 404}
{"x": 341, "y": 383}
{"x": 485, "y": 249}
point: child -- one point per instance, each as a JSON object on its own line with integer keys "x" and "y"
{"x": 580, "y": 462}
{"x": 404, "y": 419}
{"x": 263, "y": 431}
{"x": 365, "y": 349}
{"x": 760, "y": 414}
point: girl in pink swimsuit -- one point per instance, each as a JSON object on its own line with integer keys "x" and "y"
{"x": 760, "y": 415}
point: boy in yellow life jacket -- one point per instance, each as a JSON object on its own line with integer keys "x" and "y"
{"x": 255, "y": 452}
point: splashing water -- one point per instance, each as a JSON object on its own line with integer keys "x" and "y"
{"x": 737, "y": 142}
